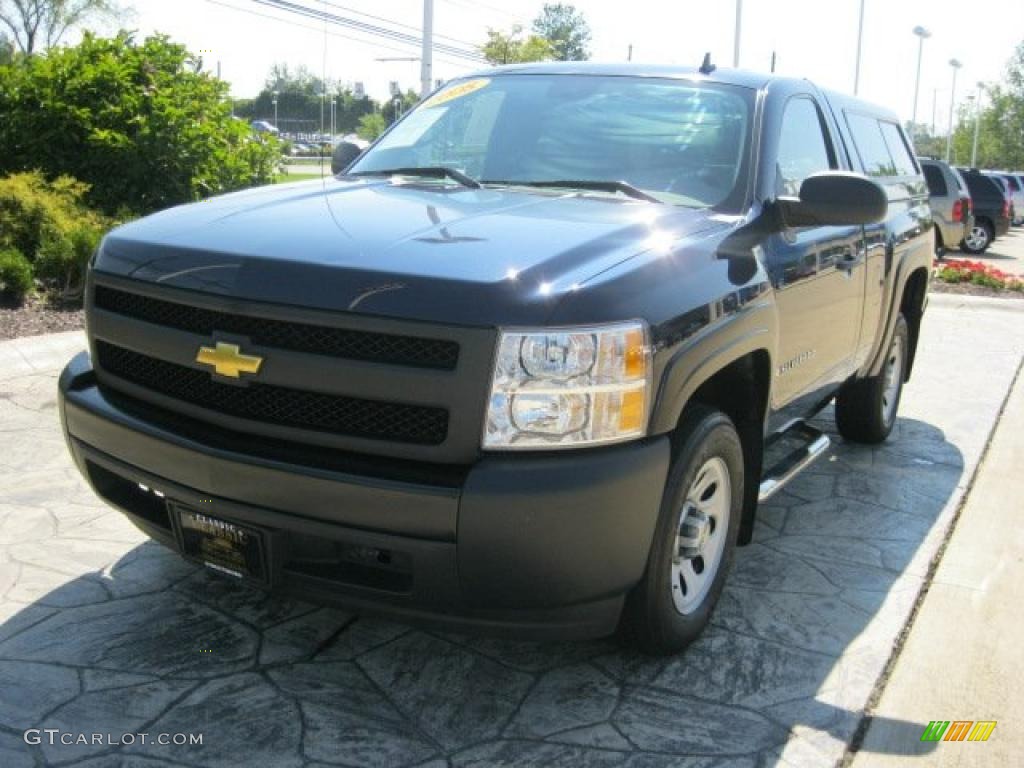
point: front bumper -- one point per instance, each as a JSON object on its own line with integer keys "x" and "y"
{"x": 546, "y": 544}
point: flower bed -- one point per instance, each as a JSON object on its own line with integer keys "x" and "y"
{"x": 959, "y": 271}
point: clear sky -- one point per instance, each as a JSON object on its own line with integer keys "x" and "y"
{"x": 812, "y": 38}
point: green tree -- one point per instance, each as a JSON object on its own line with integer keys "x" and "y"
{"x": 566, "y": 29}
{"x": 512, "y": 48}
{"x": 1000, "y": 122}
{"x": 371, "y": 126}
{"x": 42, "y": 23}
{"x": 132, "y": 120}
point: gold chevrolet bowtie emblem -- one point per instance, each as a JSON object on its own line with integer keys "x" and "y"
{"x": 228, "y": 360}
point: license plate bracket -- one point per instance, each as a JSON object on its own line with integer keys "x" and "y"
{"x": 225, "y": 546}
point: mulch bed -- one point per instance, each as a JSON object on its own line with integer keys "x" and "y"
{"x": 37, "y": 316}
{"x": 969, "y": 289}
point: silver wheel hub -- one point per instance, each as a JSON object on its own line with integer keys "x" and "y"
{"x": 701, "y": 532}
{"x": 977, "y": 238}
{"x": 893, "y": 380}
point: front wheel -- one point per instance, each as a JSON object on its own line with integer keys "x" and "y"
{"x": 979, "y": 238}
{"x": 695, "y": 536}
{"x": 866, "y": 409}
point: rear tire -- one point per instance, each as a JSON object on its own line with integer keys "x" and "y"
{"x": 979, "y": 238}
{"x": 866, "y": 409}
{"x": 695, "y": 537}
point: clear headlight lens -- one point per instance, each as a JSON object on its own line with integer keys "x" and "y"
{"x": 569, "y": 387}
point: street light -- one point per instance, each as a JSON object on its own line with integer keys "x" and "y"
{"x": 278, "y": 127}
{"x": 977, "y": 124}
{"x": 736, "y": 38}
{"x": 860, "y": 39}
{"x": 922, "y": 34}
{"x": 955, "y": 64}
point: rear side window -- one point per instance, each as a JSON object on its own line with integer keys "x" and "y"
{"x": 902, "y": 160}
{"x": 960, "y": 183}
{"x": 936, "y": 183}
{"x": 803, "y": 148}
{"x": 881, "y": 147}
{"x": 1014, "y": 185}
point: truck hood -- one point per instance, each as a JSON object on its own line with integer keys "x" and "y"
{"x": 419, "y": 251}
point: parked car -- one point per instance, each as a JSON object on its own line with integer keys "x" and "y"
{"x": 530, "y": 363}
{"x": 1016, "y": 190}
{"x": 950, "y": 202}
{"x": 1004, "y": 185}
{"x": 991, "y": 209}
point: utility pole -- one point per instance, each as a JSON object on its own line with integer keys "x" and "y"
{"x": 629, "y": 53}
{"x": 736, "y": 39}
{"x": 922, "y": 35}
{"x": 977, "y": 125}
{"x": 426, "y": 57}
{"x": 860, "y": 40}
{"x": 935, "y": 107}
{"x": 955, "y": 64}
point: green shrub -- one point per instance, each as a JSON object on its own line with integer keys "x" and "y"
{"x": 133, "y": 119}
{"x": 15, "y": 274}
{"x": 63, "y": 256}
{"x": 31, "y": 206}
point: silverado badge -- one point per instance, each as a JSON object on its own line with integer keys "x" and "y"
{"x": 228, "y": 360}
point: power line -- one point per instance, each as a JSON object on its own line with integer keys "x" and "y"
{"x": 371, "y": 29}
{"x": 475, "y": 6}
{"x": 374, "y": 43}
{"x": 395, "y": 23}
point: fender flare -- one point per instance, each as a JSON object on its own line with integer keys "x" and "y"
{"x": 752, "y": 329}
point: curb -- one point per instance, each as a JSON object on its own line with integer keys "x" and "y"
{"x": 39, "y": 354}
{"x": 958, "y": 301}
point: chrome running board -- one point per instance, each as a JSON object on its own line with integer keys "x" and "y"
{"x": 810, "y": 444}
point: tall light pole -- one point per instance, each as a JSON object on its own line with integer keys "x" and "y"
{"x": 977, "y": 125}
{"x": 736, "y": 38}
{"x": 860, "y": 40}
{"x": 922, "y": 35}
{"x": 955, "y": 64}
{"x": 275, "y": 112}
{"x": 426, "y": 57}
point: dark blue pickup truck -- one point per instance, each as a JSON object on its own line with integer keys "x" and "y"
{"x": 529, "y": 362}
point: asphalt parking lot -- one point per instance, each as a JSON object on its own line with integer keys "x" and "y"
{"x": 102, "y": 632}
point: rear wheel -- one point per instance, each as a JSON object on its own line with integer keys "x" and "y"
{"x": 866, "y": 409}
{"x": 979, "y": 238}
{"x": 695, "y": 537}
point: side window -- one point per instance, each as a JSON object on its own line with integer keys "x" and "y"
{"x": 867, "y": 137}
{"x": 803, "y": 148}
{"x": 902, "y": 160}
{"x": 936, "y": 184}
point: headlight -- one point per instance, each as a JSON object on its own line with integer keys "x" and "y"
{"x": 569, "y": 387}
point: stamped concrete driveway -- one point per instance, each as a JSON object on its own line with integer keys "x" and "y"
{"x": 102, "y": 632}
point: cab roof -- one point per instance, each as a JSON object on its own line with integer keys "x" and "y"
{"x": 622, "y": 69}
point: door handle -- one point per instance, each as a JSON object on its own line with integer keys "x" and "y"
{"x": 850, "y": 259}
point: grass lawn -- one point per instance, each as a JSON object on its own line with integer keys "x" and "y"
{"x": 285, "y": 178}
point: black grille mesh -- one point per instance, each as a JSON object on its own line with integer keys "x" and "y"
{"x": 409, "y": 351}
{"x": 352, "y": 416}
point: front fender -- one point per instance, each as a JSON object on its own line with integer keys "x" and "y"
{"x": 751, "y": 328}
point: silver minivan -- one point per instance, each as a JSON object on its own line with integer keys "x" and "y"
{"x": 950, "y": 202}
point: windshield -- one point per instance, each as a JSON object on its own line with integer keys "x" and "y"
{"x": 684, "y": 143}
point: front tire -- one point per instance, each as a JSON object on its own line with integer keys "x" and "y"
{"x": 866, "y": 409}
{"x": 695, "y": 537}
{"x": 979, "y": 238}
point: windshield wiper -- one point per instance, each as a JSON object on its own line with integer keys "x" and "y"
{"x": 623, "y": 187}
{"x": 428, "y": 172}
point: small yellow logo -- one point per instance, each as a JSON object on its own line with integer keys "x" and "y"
{"x": 228, "y": 360}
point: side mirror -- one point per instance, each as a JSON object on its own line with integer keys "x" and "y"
{"x": 835, "y": 198}
{"x": 344, "y": 155}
